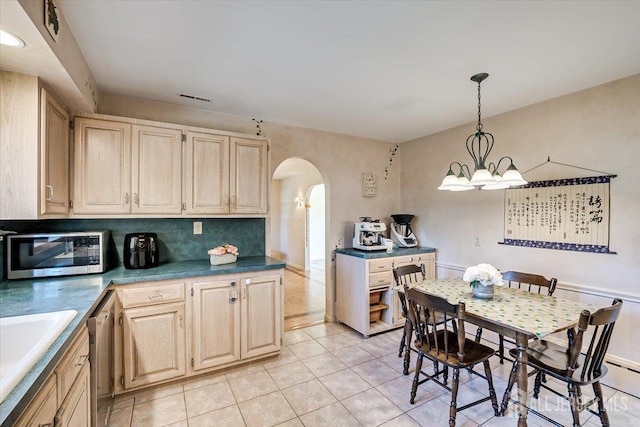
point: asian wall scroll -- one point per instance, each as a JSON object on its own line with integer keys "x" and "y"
{"x": 567, "y": 214}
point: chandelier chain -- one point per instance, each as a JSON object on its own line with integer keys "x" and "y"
{"x": 479, "y": 126}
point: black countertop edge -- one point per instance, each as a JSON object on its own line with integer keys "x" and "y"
{"x": 83, "y": 293}
{"x": 384, "y": 254}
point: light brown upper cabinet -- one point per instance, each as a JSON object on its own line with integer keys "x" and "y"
{"x": 120, "y": 168}
{"x": 207, "y": 173}
{"x": 34, "y": 165}
{"x": 249, "y": 176}
{"x": 225, "y": 175}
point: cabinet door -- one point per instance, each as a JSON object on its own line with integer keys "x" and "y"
{"x": 102, "y": 167}
{"x": 75, "y": 411}
{"x": 154, "y": 344}
{"x": 249, "y": 176}
{"x": 157, "y": 170}
{"x": 207, "y": 173}
{"x": 261, "y": 315}
{"x": 42, "y": 409}
{"x": 54, "y": 162}
{"x": 216, "y": 323}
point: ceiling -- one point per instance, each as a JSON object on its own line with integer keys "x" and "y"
{"x": 387, "y": 70}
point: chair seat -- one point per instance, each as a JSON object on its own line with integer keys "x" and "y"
{"x": 473, "y": 352}
{"x": 554, "y": 359}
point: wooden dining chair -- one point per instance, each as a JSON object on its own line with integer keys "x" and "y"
{"x": 567, "y": 364}
{"x": 449, "y": 348}
{"x": 526, "y": 282}
{"x": 409, "y": 275}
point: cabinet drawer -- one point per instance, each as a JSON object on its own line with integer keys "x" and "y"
{"x": 380, "y": 279}
{"x": 72, "y": 363}
{"x": 411, "y": 259}
{"x": 160, "y": 294}
{"x": 383, "y": 264}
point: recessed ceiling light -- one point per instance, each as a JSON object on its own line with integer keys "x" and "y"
{"x": 9, "y": 39}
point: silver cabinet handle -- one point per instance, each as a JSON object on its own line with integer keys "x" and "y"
{"x": 126, "y": 198}
{"x": 152, "y": 297}
{"x": 233, "y": 201}
{"x": 50, "y": 188}
{"x": 181, "y": 321}
{"x": 82, "y": 360}
{"x": 226, "y": 200}
{"x": 135, "y": 198}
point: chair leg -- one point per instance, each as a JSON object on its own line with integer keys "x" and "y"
{"x": 501, "y": 349}
{"x": 416, "y": 378}
{"x": 407, "y": 335}
{"x": 402, "y": 340}
{"x": 492, "y": 391}
{"x": 445, "y": 374}
{"x": 454, "y": 396}
{"x": 537, "y": 384}
{"x": 507, "y": 391}
{"x": 602, "y": 411}
{"x": 573, "y": 402}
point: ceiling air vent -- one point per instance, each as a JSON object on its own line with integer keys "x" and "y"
{"x": 195, "y": 98}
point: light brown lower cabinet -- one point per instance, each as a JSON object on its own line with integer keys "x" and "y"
{"x": 223, "y": 319}
{"x": 154, "y": 344}
{"x": 64, "y": 398}
{"x": 75, "y": 411}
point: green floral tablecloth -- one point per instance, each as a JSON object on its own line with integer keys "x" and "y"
{"x": 536, "y": 314}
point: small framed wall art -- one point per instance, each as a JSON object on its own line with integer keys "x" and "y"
{"x": 368, "y": 184}
{"x": 51, "y": 18}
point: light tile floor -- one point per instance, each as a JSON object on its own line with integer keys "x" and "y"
{"x": 328, "y": 376}
{"x": 304, "y": 296}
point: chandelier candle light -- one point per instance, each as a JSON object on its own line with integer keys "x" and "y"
{"x": 485, "y": 174}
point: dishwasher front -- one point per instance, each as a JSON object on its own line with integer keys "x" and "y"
{"x": 101, "y": 354}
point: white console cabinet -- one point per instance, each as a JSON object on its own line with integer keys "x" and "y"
{"x": 365, "y": 296}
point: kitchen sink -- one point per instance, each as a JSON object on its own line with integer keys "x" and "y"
{"x": 23, "y": 341}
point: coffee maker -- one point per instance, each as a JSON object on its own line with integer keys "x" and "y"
{"x": 401, "y": 232}
{"x": 368, "y": 234}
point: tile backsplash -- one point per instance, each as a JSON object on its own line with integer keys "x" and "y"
{"x": 177, "y": 241}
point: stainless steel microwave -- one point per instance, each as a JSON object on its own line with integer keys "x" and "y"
{"x": 56, "y": 254}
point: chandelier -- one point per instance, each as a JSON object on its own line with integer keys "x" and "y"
{"x": 485, "y": 174}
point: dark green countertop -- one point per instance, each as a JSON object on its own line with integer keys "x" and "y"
{"x": 384, "y": 254}
{"x": 83, "y": 294}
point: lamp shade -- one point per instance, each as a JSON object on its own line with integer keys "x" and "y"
{"x": 482, "y": 177}
{"x": 449, "y": 181}
{"x": 513, "y": 177}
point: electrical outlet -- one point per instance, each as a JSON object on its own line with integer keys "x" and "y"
{"x": 340, "y": 243}
{"x": 476, "y": 241}
{"x": 197, "y": 227}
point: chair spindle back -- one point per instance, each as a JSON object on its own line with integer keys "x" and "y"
{"x": 425, "y": 309}
{"x": 530, "y": 282}
{"x": 604, "y": 319}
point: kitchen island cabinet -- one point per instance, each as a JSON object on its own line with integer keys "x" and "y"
{"x": 365, "y": 296}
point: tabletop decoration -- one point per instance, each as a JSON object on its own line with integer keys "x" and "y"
{"x": 482, "y": 278}
{"x": 223, "y": 254}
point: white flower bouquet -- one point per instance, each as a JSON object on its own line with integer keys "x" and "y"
{"x": 483, "y": 274}
{"x": 223, "y": 254}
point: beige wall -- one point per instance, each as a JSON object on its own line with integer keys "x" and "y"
{"x": 598, "y": 128}
{"x": 341, "y": 160}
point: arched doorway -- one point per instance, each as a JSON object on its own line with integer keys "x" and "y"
{"x": 298, "y": 238}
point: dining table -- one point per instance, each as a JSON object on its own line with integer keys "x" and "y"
{"x": 514, "y": 313}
